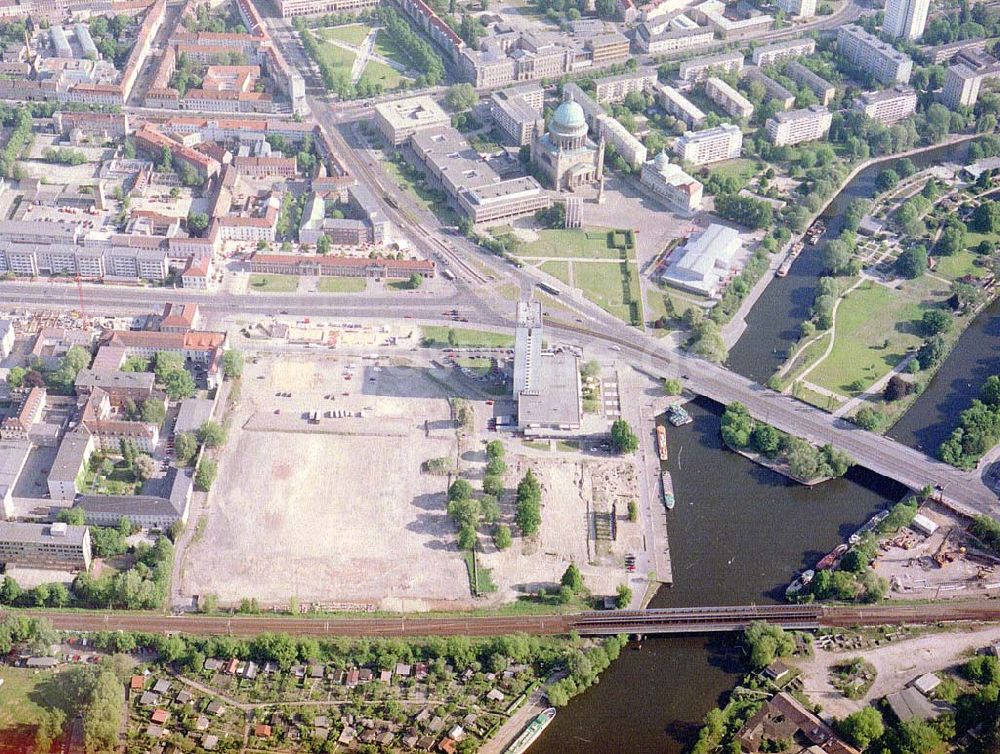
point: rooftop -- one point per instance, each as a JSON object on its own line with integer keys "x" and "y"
{"x": 36, "y": 533}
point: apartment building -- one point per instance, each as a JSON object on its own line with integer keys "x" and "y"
{"x": 699, "y": 69}
{"x": 710, "y": 145}
{"x": 798, "y": 8}
{"x": 614, "y": 133}
{"x": 679, "y": 106}
{"x": 905, "y": 19}
{"x": 27, "y": 407}
{"x": 616, "y": 88}
{"x": 774, "y": 91}
{"x": 961, "y": 86}
{"x": 728, "y": 98}
{"x": 779, "y": 52}
{"x": 819, "y": 86}
{"x": 872, "y": 55}
{"x": 669, "y": 183}
{"x": 398, "y": 120}
{"x": 797, "y": 126}
{"x": 55, "y": 546}
{"x": 670, "y": 39}
{"x": 197, "y": 346}
{"x": 518, "y": 112}
{"x": 119, "y": 386}
{"x": 888, "y": 106}
{"x": 292, "y": 8}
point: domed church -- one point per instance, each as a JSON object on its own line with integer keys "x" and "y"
{"x": 566, "y": 155}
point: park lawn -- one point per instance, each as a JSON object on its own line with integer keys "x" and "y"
{"x": 25, "y": 697}
{"x": 742, "y": 169}
{"x": 558, "y": 270}
{"x": 352, "y": 34}
{"x": 274, "y": 283}
{"x": 875, "y": 328}
{"x": 380, "y": 73}
{"x": 341, "y": 285}
{"x": 336, "y": 57}
{"x": 436, "y": 336}
{"x": 803, "y": 359}
{"x": 387, "y": 48}
{"x": 819, "y": 400}
{"x": 574, "y": 243}
{"x": 961, "y": 264}
{"x": 605, "y": 284}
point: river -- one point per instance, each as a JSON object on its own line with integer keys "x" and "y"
{"x": 739, "y": 533}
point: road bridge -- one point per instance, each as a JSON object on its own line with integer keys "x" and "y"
{"x": 665, "y": 621}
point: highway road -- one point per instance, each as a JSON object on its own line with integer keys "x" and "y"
{"x": 660, "y": 622}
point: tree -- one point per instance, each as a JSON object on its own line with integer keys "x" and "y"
{"x": 153, "y": 411}
{"x": 529, "y": 498}
{"x": 869, "y": 417}
{"x": 935, "y": 321}
{"x": 415, "y": 281}
{"x": 633, "y": 510}
{"x": 102, "y": 717}
{"x": 673, "y": 386}
{"x": 462, "y": 96}
{"x": 495, "y": 450}
{"x": 71, "y": 516}
{"x": 15, "y": 377}
{"x": 912, "y": 263}
{"x": 887, "y": 180}
{"x": 144, "y": 467}
{"x": 502, "y": 538}
{"x": 766, "y": 643}
{"x": 185, "y": 446}
{"x": 493, "y": 485}
{"x": 205, "y": 475}
{"x": 572, "y": 578}
{"x": 232, "y": 364}
{"x": 736, "y": 426}
{"x": 623, "y": 598}
{"x": 466, "y": 537}
{"x": 931, "y": 352}
{"x": 862, "y": 727}
{"x": 211, "y": 434}
{"x": 179, "y": 384}
{"x": 766, "y": 439}
{"x": 10, "y": 591}
{"x": 197, "y": 221}
{"x": 460, "y": 489}
{"x": 986, "y": 217}
{"x": 623, "y": 440}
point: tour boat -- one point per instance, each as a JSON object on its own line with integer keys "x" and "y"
{"x": 668, "y": 490}
{"x": 533, "y": 731}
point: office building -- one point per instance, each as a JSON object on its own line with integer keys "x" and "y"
{"x": 728, "y": 98}
{"x": 711, "y": 145}
{"x": 905, "y": 19}
{"x": 796, "y": 126}
{"x": 56, "y": 546}
{"x": 518, "y": 112}
{"x": 670, "y": 39}
{"x": 398, "y": 120}
{"x": 671, "y": 184}
{"x": 546, "y": 386}
{"x": 292, "y": 8}
{"x": 888, "y": 106}
{"x": 872, "y": 55}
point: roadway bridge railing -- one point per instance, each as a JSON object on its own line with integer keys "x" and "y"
{"x": 689, "y": 620}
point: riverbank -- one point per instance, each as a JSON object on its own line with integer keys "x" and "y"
{"x": 778, "y": 467}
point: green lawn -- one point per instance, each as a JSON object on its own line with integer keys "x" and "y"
{"x": 352, "y": 34}
{"x": 606, "y": 284}
{"x": 478, "y": 364}
{"x": 741, "y": 169}
{"x": 335, "y": 57}
{"x": 961, "y": 264}
{"x": 558, "y": 270}
{"x": 382, "y": 74}
{"x": 274, "y": 283}
{"x": 25, "y": 697}
{"x": 387, "y": 48}
{"x": 436, "y": 336}
{"x": 341, "y": 285}
{"x": 582, "y": 244}
{"x": 875, "y": 327}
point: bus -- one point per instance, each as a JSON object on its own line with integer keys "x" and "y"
{"x": 549, "y": 288}
{"x": 448, "y": 273}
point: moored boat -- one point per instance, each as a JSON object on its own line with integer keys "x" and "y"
{"x": 831, "y": 558}
{"x": 533, "y": 731}
{"x": 868, "y": 526}
{"x": 661, "y": 441}
{"x": 678, "y": 416}
{"x": 668, "y": 490}
{"x": 803, "y": 580}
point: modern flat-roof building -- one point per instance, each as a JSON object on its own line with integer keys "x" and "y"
{"x": 774, "y": 91}
{"x": 679, "y": 106}
{"x": 616, "y": 88}
{"x": 614, "y": 133}
{"x": 710, "y": 145}
{"x": 700, "y": 69}
{"x": 147, "y": 511}
{"x": 888, "y": 106}
{"x": 671, "y": 184}
{"x": 292, "y": 8}
{"x": 57, "y": 546}
{"x": 706, "y": 262}
{"x": 779, "y": 52}
{"x": 796, "y": 126}
{"x": 871, "y": 54}
{"x": 905, "y": 19}
{"x": 712, "y": 14}
{"x": 671, "y": 39}
{"x": 819, "y": 86}
{"x": 728, "y": 98}
{"x": 13, "y": 457}
{"x": 398, "y": 120}
{"x": 961, "y": 86}
{"x": 798, "y": 8}
{"x": 546, "y": 386}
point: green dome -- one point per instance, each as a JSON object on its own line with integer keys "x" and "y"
{"x": 569, "y": 116}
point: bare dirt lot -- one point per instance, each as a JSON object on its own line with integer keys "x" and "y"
{"x": 340, "y": 519}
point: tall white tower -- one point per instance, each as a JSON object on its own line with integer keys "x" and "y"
{"x": 905, "y": 18}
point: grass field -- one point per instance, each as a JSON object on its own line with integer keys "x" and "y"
{"x": 741, "y": 169}
{"x": 25, "y": 697}
{"x": 341, "y": 285}
{"x": 606, "y": 285}
{"x": 436, "y": 336}
{"x": 274, "y": 283}
{"x": 578, "y": 244}
{"x": 961, "y": 264}
{"x": 352, "y": 34}
{"x": 875, "y": 327}
{"x": 558, "y": 270}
